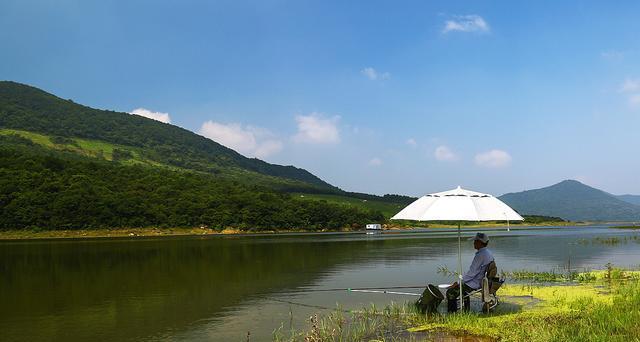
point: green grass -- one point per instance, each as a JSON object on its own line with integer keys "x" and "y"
{"x": 39, "y": 139}
{"x": 89, "y": 148}
{"x": 387, "y": 209}
{"x": 602, "y": 308}
{"x": 634, "y": 226}
{"x": 611, "y": 241}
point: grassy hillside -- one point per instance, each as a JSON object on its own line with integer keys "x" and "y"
{"x": 30, "y": 109}
{"x": 572, "y": 200}
{"x": 85, "y": 147}
{"x": 128, "y": 155}
{"x": 46, "y": 188}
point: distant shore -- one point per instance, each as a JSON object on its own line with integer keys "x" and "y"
{"x": 169, "y": 232}
{"x": 632, "y": 226}
{"x": 139, "y": 232}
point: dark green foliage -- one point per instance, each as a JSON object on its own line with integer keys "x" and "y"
{"x": 119, "y": 154}
{"x": 62, "y": 140}
{"x": 41, "y": 188}
{"x": 15, "y": 139}
{"x": 398, "y": 199}
{"x": 529, "y": 219}
{"x": 27, "y": 108}
{"x": 574, "y": 201}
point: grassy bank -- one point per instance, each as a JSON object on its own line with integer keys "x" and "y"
{"x": 18, "y": 234}
{"x": 633, "y": 226}
{"x": 138, "y": 232}
{"x": 602, "y": 306}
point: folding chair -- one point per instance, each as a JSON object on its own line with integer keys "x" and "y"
{"x": 490, "y": 285}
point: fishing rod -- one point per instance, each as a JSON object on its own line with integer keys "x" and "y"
{"x": 356, "y": 289}
{"x": 386, "y": 292}
{"x": 360, "y": 289}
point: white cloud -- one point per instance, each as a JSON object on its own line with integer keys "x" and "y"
{"x": 630, "y": 86}
{"x": 493, "y": 159}
{"x": 375, "y": 162}
{"x": 374, "y": 75}
{"x": 231, "y": 135}
{"x": 267, "y": 148}
{"x": 444, "y": 153}
{"x": 412, "y": 142}
{"x": 159, "y": 116}
{"x": 249, "y": 141}
{"x": 466, "y": 23}
{"x": 316, "y": 129}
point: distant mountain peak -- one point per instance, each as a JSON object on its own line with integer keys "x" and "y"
{"x": 573, "y": 200}
{"x": 571, "y": 181}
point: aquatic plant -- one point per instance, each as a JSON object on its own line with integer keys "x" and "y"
{"x": 539, "y": 276}
{"x": 445, "y": 271}
{"x": 584, "y": 311}
{"x": 611, "y": 241}
{"x": 362, "y": 325}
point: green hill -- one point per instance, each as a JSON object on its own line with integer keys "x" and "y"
{"x": 68, "y": 166}
{"x": 26, "y": 108}
{"x": 572, "y": 200}
{"x": 50, "y": 189}
{"x": 63, "y": 125}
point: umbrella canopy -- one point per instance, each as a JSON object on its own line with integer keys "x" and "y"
{"x": 458, "y": 205}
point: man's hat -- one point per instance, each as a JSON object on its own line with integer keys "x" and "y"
{"x": 482, "y": 237}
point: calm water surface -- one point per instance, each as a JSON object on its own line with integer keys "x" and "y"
{"x": 221, "y": 288}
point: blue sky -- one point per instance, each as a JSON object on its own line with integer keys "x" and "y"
{"x": 373, "y": 96}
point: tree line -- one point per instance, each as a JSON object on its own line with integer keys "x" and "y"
{"x": 44, "y": 189}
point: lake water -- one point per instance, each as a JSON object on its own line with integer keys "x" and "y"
{"x": 222, "y": 288}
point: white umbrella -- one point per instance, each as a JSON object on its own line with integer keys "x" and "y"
{"x": 458, "y": 205}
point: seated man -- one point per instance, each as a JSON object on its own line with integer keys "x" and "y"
{"x": 472, "y": 280}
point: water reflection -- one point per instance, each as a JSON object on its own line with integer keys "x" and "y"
{"x": 220, "y": 288}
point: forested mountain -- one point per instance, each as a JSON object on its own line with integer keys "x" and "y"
{"x": 26, "y": 108}
{"x": 68, "y": 166}
{"x": 42, "y": 188}
{"x": 572, "y": 200}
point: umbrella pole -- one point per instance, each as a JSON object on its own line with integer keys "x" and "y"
{"x": 460, "y": 267}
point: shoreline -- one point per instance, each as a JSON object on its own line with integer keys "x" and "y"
{"x": 586, "y": 304}
{"x": 19, "y": 235}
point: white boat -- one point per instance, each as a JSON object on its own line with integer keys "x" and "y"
{"x": 373, "y": 228}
